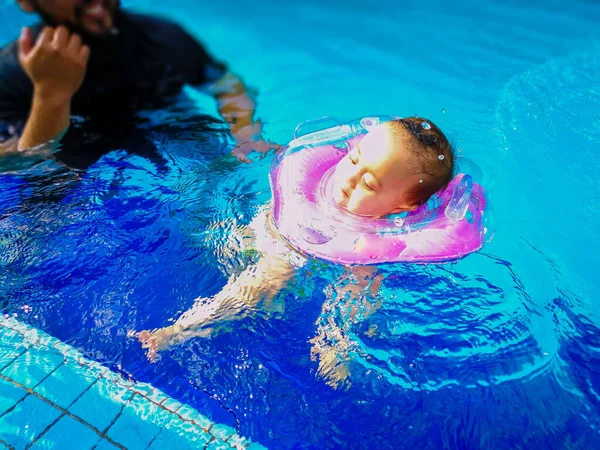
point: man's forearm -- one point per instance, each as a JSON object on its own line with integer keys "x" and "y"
{"x": 233, "y": 102}
{"x": 49, "y": 119}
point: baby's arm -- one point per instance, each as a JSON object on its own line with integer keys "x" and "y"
{"x": 351, "y": 299}
{"x": 239, "y": 298}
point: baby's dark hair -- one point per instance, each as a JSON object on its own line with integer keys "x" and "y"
{"x": 434, "y": 156}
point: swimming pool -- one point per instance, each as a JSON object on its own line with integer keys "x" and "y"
{"x": 498, "y": 350}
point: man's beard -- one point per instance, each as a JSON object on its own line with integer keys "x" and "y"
{"x": 77, "y": 26}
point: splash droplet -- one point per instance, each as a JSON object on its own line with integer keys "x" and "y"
{"x": 443, "y": 111}
{"x": 426, "y": 125}
{"x": 441, "y": 157}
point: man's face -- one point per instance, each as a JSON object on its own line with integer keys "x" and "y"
{"x": 93, "y": 17}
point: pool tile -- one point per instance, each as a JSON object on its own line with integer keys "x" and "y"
{"x": 103, "y": 399}
{"x": 66, "y": 384}
{"x": 11, "y": 322}
{"x": 11, "y": 346}
{"x": 187, "y": 413}
{"x": 238, "y": 442}
{"x": 180, "y": 436}
{"x": 222, "y": 432}
{"x": 101, "y": 404}
{"x": 29, "y": 418}
{"x": 203, "y": 422}
{"x": 9, "y": 395}
{"x": 9, "y": 336}
{"x": 171, "y": 404}
{"x": 67, "y": 433}
{"x": 105, "y": 445}
{"x": 157, "y": 396}
{"x": 32, "y": 336}
{"x": 66, "y": 350}
{"x": 137, "y": 425}
{"x": 218, "y": 444}
{"x": 143, "y": 388}
{"x": 40, "y": 339}
{"x": 33, "y": 366}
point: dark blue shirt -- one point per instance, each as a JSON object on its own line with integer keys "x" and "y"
{"x": 146, "y": 63}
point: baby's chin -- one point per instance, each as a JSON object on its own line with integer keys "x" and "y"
{"x": 343, "y": 202}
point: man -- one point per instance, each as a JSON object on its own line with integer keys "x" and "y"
{"x": 93, "y": 60}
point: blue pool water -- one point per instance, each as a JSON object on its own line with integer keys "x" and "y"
{"x": 498, "y": 350}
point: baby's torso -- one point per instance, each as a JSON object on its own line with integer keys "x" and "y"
{"x": 267, "y": 239}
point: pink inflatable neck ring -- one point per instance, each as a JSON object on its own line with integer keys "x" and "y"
{"x": 449, "y": 226}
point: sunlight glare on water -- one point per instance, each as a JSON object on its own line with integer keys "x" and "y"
{"x": 497, "y": 350}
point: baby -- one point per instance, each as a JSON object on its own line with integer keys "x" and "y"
{"x": 395, "y": 168}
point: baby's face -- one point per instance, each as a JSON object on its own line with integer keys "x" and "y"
{"x": 374, "y": 178}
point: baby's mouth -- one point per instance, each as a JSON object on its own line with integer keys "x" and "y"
{"x": 344, "y": 192}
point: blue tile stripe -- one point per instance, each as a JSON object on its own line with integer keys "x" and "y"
{"x": 62, "y": 410}
{"x": 31, "y": 359}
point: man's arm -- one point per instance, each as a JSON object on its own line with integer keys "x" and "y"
{"x": 48, "y": 121}
{"x": 234, "y": 102}
{"x": 56, "y": 65}
{"x": 237, "y": 108}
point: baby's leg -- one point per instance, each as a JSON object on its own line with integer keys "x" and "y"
{"x": 255, "y": 288}
{"x": 242, "y": 296}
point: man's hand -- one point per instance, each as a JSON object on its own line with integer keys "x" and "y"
{"x": 237, "y": 108}
{"x": 56, "y": 64}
